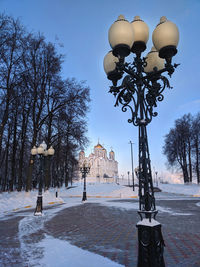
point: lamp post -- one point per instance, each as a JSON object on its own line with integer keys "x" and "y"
{"x": 42, "y": 152}
{"x": 132, "y": 164}
{"x": 156, "y": 178}
{"x": 136, "y": 172}
{"x": 140, "y": 90}
{"x": 84, "y": 169}
{"x": 128, "y": 178}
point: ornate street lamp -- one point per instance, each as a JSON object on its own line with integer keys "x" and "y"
{"x": 139, "y": 91}
{"x": 84, "y": 169}
{"x": 42, "y": 151}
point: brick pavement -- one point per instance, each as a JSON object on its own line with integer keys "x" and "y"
{"x": 111, "y": 232}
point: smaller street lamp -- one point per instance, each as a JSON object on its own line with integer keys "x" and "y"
{"x": 156, "y": 178}
{"x": 84, "y": 169}
{"x": 128, "y": 178}
{"x": 42, "y": 151}
{"x": 136, "y": 171}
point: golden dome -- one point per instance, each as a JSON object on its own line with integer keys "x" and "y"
{"x": 98, "y": 146}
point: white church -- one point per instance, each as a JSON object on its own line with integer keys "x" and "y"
{"x": 101, "y": 166}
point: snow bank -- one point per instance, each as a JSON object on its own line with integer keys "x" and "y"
{"x": 14, "y": 201}
{"x": 102, "y": 190}
{"x": 189, "y": 189}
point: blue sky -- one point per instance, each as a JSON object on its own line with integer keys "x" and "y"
{"x": 82, "y": 29}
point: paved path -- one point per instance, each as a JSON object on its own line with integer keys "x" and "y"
{"x": 111, "y": 232}
{"x": 9, "y": 243}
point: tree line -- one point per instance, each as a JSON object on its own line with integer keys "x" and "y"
{"x": 182, "y": 147}
{"x": 37, "y": 104}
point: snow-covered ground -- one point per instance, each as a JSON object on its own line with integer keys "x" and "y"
{"x": 187, "y": 189}
{"x": 54, "y": 250}
{"x": 15, "y": 201}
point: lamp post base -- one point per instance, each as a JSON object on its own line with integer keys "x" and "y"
{"x": 84, "y": 196}
{"x": 150, "y": 244}
{"x": 38, "y": 209}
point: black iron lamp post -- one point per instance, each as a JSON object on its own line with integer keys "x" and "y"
{"x": 136, "y": 172}
{"x": 84, "y": 169}
{"x": 128, "y": 178}
{"x": 156, "y": 178}
{"x": 139, "y": 91}
{"x": 42, "y": 152}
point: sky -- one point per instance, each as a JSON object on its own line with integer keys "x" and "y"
{"x": 79, "y": 29}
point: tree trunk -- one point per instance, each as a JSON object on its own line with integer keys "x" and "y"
{"x": 25, "y": 115}
{"x": 46, "y": 173}
{"x": 14, "y": 150}
{"x": 185, "y": 173}
{"x": 197, "y": 161}
{"x": 5, "y": 182}
{"x": 185, "y": 166}
{"x": 190, "y": 161}
{"x": 31, "y": 163}
{"x": 29, "y": 175}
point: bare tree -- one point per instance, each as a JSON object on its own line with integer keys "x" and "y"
{"x": 36, "y": 104}
{"x": 11, "y": 33}
{"x": 196, "y": 144}
{"x": 181, "y": 146}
